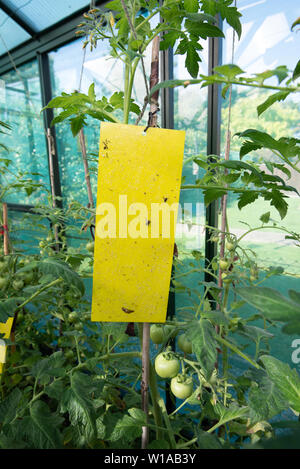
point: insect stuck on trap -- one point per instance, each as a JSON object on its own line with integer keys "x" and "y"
{"x": 105, "y": 144}
{"x": 127, "y": 311}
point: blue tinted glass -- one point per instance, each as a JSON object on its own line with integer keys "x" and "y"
{"x": 190, "y": 114}
{"x": 11, "y": 34}
{"x": 266, "y": 42}
{"x": 20, "y": 106}
{"x": 40, "y": 14}
{"x": 26, "y": 230}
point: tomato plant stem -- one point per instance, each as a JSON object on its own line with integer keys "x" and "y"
{"x": 162, "y": 406}
{"x": 237, "y": 351}
{"x": 49, "y": 285}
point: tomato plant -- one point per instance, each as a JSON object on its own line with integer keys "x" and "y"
{"x": 71, "y": 383}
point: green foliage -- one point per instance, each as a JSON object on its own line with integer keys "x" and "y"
{"x": 70, "y": 383}
{"x": 203, "y": 338}
{"x": 270, "y": 302}
{"x": 286, "y": 380}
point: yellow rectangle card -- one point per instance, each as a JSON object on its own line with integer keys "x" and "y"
{"x": 139, "y": 179}
{"x": 5, "y": 328}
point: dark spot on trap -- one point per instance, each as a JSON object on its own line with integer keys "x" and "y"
{"x": 127, "y": 311}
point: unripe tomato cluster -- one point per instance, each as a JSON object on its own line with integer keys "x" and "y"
{"x": 11, "y": 275}
{"x": 167, "y": 365}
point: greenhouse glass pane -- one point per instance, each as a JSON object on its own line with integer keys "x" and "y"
{"x": 11, "y": 34}
{"x": 26, "y": 230}
{"x": 190, "y": 114}
{"x": 40, "y": 14}
{"x": 20, "y": 107}
{"x": 266, "y": 42}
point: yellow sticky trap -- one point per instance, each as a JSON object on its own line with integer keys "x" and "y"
{"x": 139, "y": 180}
{"x": 5, "y": 328}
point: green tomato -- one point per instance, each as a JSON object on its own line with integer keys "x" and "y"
{"x": 185, "y": 344}
{"x": 3, "y": 282}
{"x": 181, "y": 387}
{"x": 69, "y": 354}
{"x": 156, "y": 333}
{"x": 16, "y": 378}
{"x": 224, "y": 264}
{"x": 90, "y": 246}
{"x": 167, "y": 365}
{"x": 254, "y": 273}
{"x": 78, "y": 326}
{"x": 230, "y": 246}
{"x": 20, "y": 317}
{"x": 18, "y": 284}
{"x": 73, "y": 316}
{"x": 3, "y": 266}
{"x": 27, "y": 277}
{"x": 225, "y": 279}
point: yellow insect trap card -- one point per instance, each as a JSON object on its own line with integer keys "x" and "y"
{"x": 139, "y": 179}
{"x": 5, "y": 328}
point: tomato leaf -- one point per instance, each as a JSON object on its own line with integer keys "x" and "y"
{"x": 270, "y": 302}
{"x": 44, "y": 426}
{"x": 273, "y": 402}
{"x": 203, "y": 337}
{"x": 286, "y": 379}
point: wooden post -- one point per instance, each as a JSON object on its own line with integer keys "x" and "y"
{"x": 86, "y": 168}
{"x": 154, "y": 78}
{"x": 5, "y": 230}
{"x": 6, "y": 253}
{"x": 51, "y": 152}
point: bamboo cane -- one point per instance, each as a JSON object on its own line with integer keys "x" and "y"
{"x": 86, "y": 168}
{"x": 51, "y": 152}
{"x": 5, "y": 230}
{"x": 154, "y": 78}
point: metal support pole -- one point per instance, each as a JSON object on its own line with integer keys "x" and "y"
{"x": 213, "y": 139}
{"x": 44, "y": 69}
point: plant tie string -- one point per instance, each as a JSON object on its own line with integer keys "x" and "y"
{"x": 151, "y": 114}
{"x": 3, "y": 228}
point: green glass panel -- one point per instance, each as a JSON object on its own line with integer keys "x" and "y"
{"x": 26, "y": 230}
{"x": 266, "y": 42}
{"x": 190, "y": 114}
{"x": 20, "y": 107}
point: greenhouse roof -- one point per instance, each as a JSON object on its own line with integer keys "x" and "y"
{"x": 24, "y": 20}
